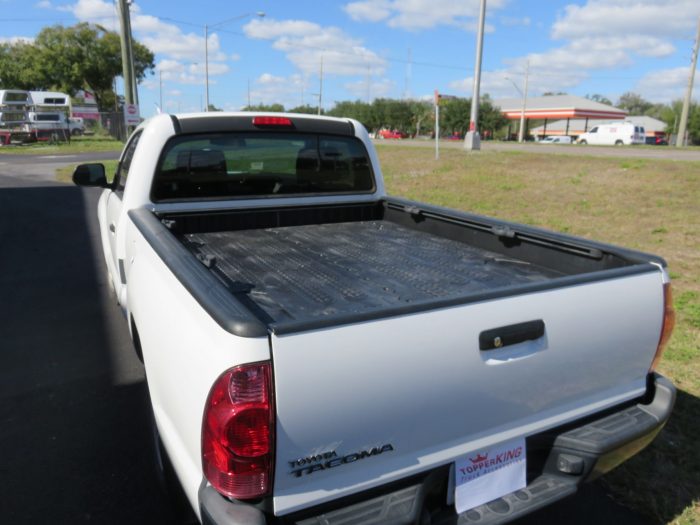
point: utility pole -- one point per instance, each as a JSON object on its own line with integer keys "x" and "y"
{"x": 472, "y": 141}
{"x": 206, "y": 66}
{"x": 680, "y": 139}
{"x": 407, "y": 80}
{"x": 521, "y": 132}
{"x": 160, "y": 85}
{"x": 127, "y": 67}
{"x": 320, "y": 90}
{"x": 130, "y": 42}
{"x": 369, "y": 84}
{"x": 248, "y": 94}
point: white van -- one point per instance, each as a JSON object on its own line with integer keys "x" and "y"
{"x": 615, "y": 133}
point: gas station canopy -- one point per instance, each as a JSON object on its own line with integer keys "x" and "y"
{"x": 558, "y": 107}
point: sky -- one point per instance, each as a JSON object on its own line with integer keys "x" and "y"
{"x": 272, "y": 51}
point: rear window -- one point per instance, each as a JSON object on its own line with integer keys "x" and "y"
{"x": 261, "y": 164}
{"x": 16, "y": 97}
{"x": 48, "y": 118}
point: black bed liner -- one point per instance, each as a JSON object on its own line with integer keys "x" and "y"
{"x": 300, "y": 273}
{"x": 294, "y": 268}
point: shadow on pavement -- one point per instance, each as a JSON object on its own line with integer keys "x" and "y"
{"x": 75, "y": 441}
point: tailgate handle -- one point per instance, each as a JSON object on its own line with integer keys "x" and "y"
{"x": 510, "y": 335}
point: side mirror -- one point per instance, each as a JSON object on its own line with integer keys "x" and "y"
{"x": 90, "y": 175}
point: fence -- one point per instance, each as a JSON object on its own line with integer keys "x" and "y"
{"x": 113, "y": 123}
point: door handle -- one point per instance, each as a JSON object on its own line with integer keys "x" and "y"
{"x": 510, "y": 335}
{"x": 112, "y": 228}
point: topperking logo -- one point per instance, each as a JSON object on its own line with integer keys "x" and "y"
{"x": 481, "y": 464}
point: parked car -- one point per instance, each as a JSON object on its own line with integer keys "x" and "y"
{"x": 391, "y": 134}
{"x": 616, "y": 133}
{"x": 556, "y": 140}
{"x": 317, "y": 351}
{"x": 657, "y": 140}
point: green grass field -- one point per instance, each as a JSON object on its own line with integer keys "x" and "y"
{"x": 83, "y": 144}
{"x": 649, "y": 205}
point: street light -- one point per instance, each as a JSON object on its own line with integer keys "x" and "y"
{"x": 206, "y": 47}
{"x": 521, "y": 130}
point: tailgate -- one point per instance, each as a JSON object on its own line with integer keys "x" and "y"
{"x": 365, "y": 404}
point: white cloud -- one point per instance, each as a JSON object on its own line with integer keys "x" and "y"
{"x": 670, "y": 18}
{"x": 306, "y": 44}
{"x": 378, "y": 88}
{"x": 666, "y": 84}
{"x": 44, "y": 4}
{"x": 419, "y": 14}
{"x": 271, "y": 89}
{"x": 369, "y": 11}
{"x": 599, "y": 35}
{"x": 189, "y": 73}
{"x": 510, "y": 21}
{"x": 613, "y": 34}
{"x": 163, "y": 38}
{"x": 95, "y": 11}
{"x": 499, "y": 84}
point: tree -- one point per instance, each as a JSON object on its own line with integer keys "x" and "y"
{"x": 270, "y": 108}
{"x": 17, "y": 66}
{"x": 309, "y": 110}
{"x": 599, "y": 98}
{"x": 84, "y": 56}
{"x": 491, "y": 118}
{"x": 392, "y": 114}
{"x": 694, "y": 124}
{"x": 357, "y": 110}
{"x": 454, "y": 115}
{"x": 634, "y": 103}
{"x": 421, "y": 112}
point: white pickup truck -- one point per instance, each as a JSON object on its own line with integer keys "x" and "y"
{"x": 318, "y": 352}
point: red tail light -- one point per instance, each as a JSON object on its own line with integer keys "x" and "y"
{"x": 272, "y": 122}
{"x": 669, "y": 322}
{"x": 238, "y": 432}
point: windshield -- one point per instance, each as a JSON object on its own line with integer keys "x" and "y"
{"x": 261, "y": 164}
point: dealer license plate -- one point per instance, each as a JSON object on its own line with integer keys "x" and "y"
{"x": 488, "y": 474}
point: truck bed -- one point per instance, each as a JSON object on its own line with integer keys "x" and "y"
{"x": 301, "y": 273}
{"x": 308, "y": 267}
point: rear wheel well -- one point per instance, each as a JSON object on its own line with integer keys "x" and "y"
{"x": 136, "y": 339}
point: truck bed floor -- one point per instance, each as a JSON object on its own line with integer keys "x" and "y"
{"x": 302, "y": 273}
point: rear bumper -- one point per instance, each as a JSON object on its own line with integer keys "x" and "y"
{"x": 568, "y": 457}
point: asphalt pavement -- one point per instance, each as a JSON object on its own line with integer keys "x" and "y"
{"x": 75, "y": 441}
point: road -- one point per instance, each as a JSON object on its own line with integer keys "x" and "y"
{"x": 74, "y": 422}
{"x": 656, "y": 152}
